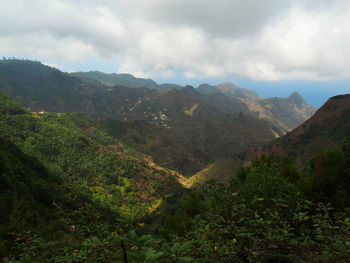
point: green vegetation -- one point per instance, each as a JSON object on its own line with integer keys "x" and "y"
{"x": 70, "y": 192}
{"x": 263, "y": 215}
{"x": 58, "y": 171}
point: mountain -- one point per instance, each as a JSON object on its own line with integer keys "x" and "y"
{"x": 324, "y": 130}
{"x": 167, "y": 86}
{"x": 111, "y": 80}
{"x": 184, "y": 133}
{"x": 285, "y": 114}
{"x": 125, "y": 80}
{"x": 229, "y": 90}
{"x": 41, "y": 88}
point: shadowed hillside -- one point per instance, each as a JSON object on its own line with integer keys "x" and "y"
{"x": 324, "y": 130}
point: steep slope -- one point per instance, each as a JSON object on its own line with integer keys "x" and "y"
{"x": 41, "y": 88}
{"x": 124, "y": 179}
{"x": 325, "y": 129}
{"x": 186, "y": 134}
{"x": 28, "y": 191}
{"x": 39, "y": 202}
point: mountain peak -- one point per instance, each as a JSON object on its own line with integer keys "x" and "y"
{"x": 296, "y": 98}
{"x": 232, "y": 90}
{"x": 190, "y": 91}
{"x": 227, "y": 85}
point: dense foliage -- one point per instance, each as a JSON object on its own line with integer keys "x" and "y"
{"x": 58, "y": 171}
{"x": 261, "y": 216}
{"x": 264, "y": 216}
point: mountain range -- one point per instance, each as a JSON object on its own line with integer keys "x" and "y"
{"x": 93, "y": 171}
{"x": 186, "y": 129}
{"x": 285, "y": 114}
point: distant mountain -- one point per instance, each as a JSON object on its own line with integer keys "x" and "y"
{"x": 125, "y": 80}
{"x": 38, "y": 87}
{"x": 167, "y": 86}
{"x": 229, "y": 90}
{"x": 285, "y": 114}
{"x": 324, "y": 130}
{"x": 111, "y": 80}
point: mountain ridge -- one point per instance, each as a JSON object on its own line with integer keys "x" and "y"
{"x": 195, "y": 119}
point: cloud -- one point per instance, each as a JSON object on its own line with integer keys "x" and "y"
{"x": 219, "y": 18}
{"x": 263, "y": 40}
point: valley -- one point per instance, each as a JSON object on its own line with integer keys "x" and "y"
{"x": 99, "y": 167}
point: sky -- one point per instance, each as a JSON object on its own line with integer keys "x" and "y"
{"x": 273, "y": 47}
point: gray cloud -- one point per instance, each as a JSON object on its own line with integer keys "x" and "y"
{"x": 268, "y": 40}
{"x": 218, "y": 18}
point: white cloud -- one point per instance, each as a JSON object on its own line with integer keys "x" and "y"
{"x": 266, "y": 40}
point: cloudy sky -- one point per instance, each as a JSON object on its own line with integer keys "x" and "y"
{"x": 271, "y": 46}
